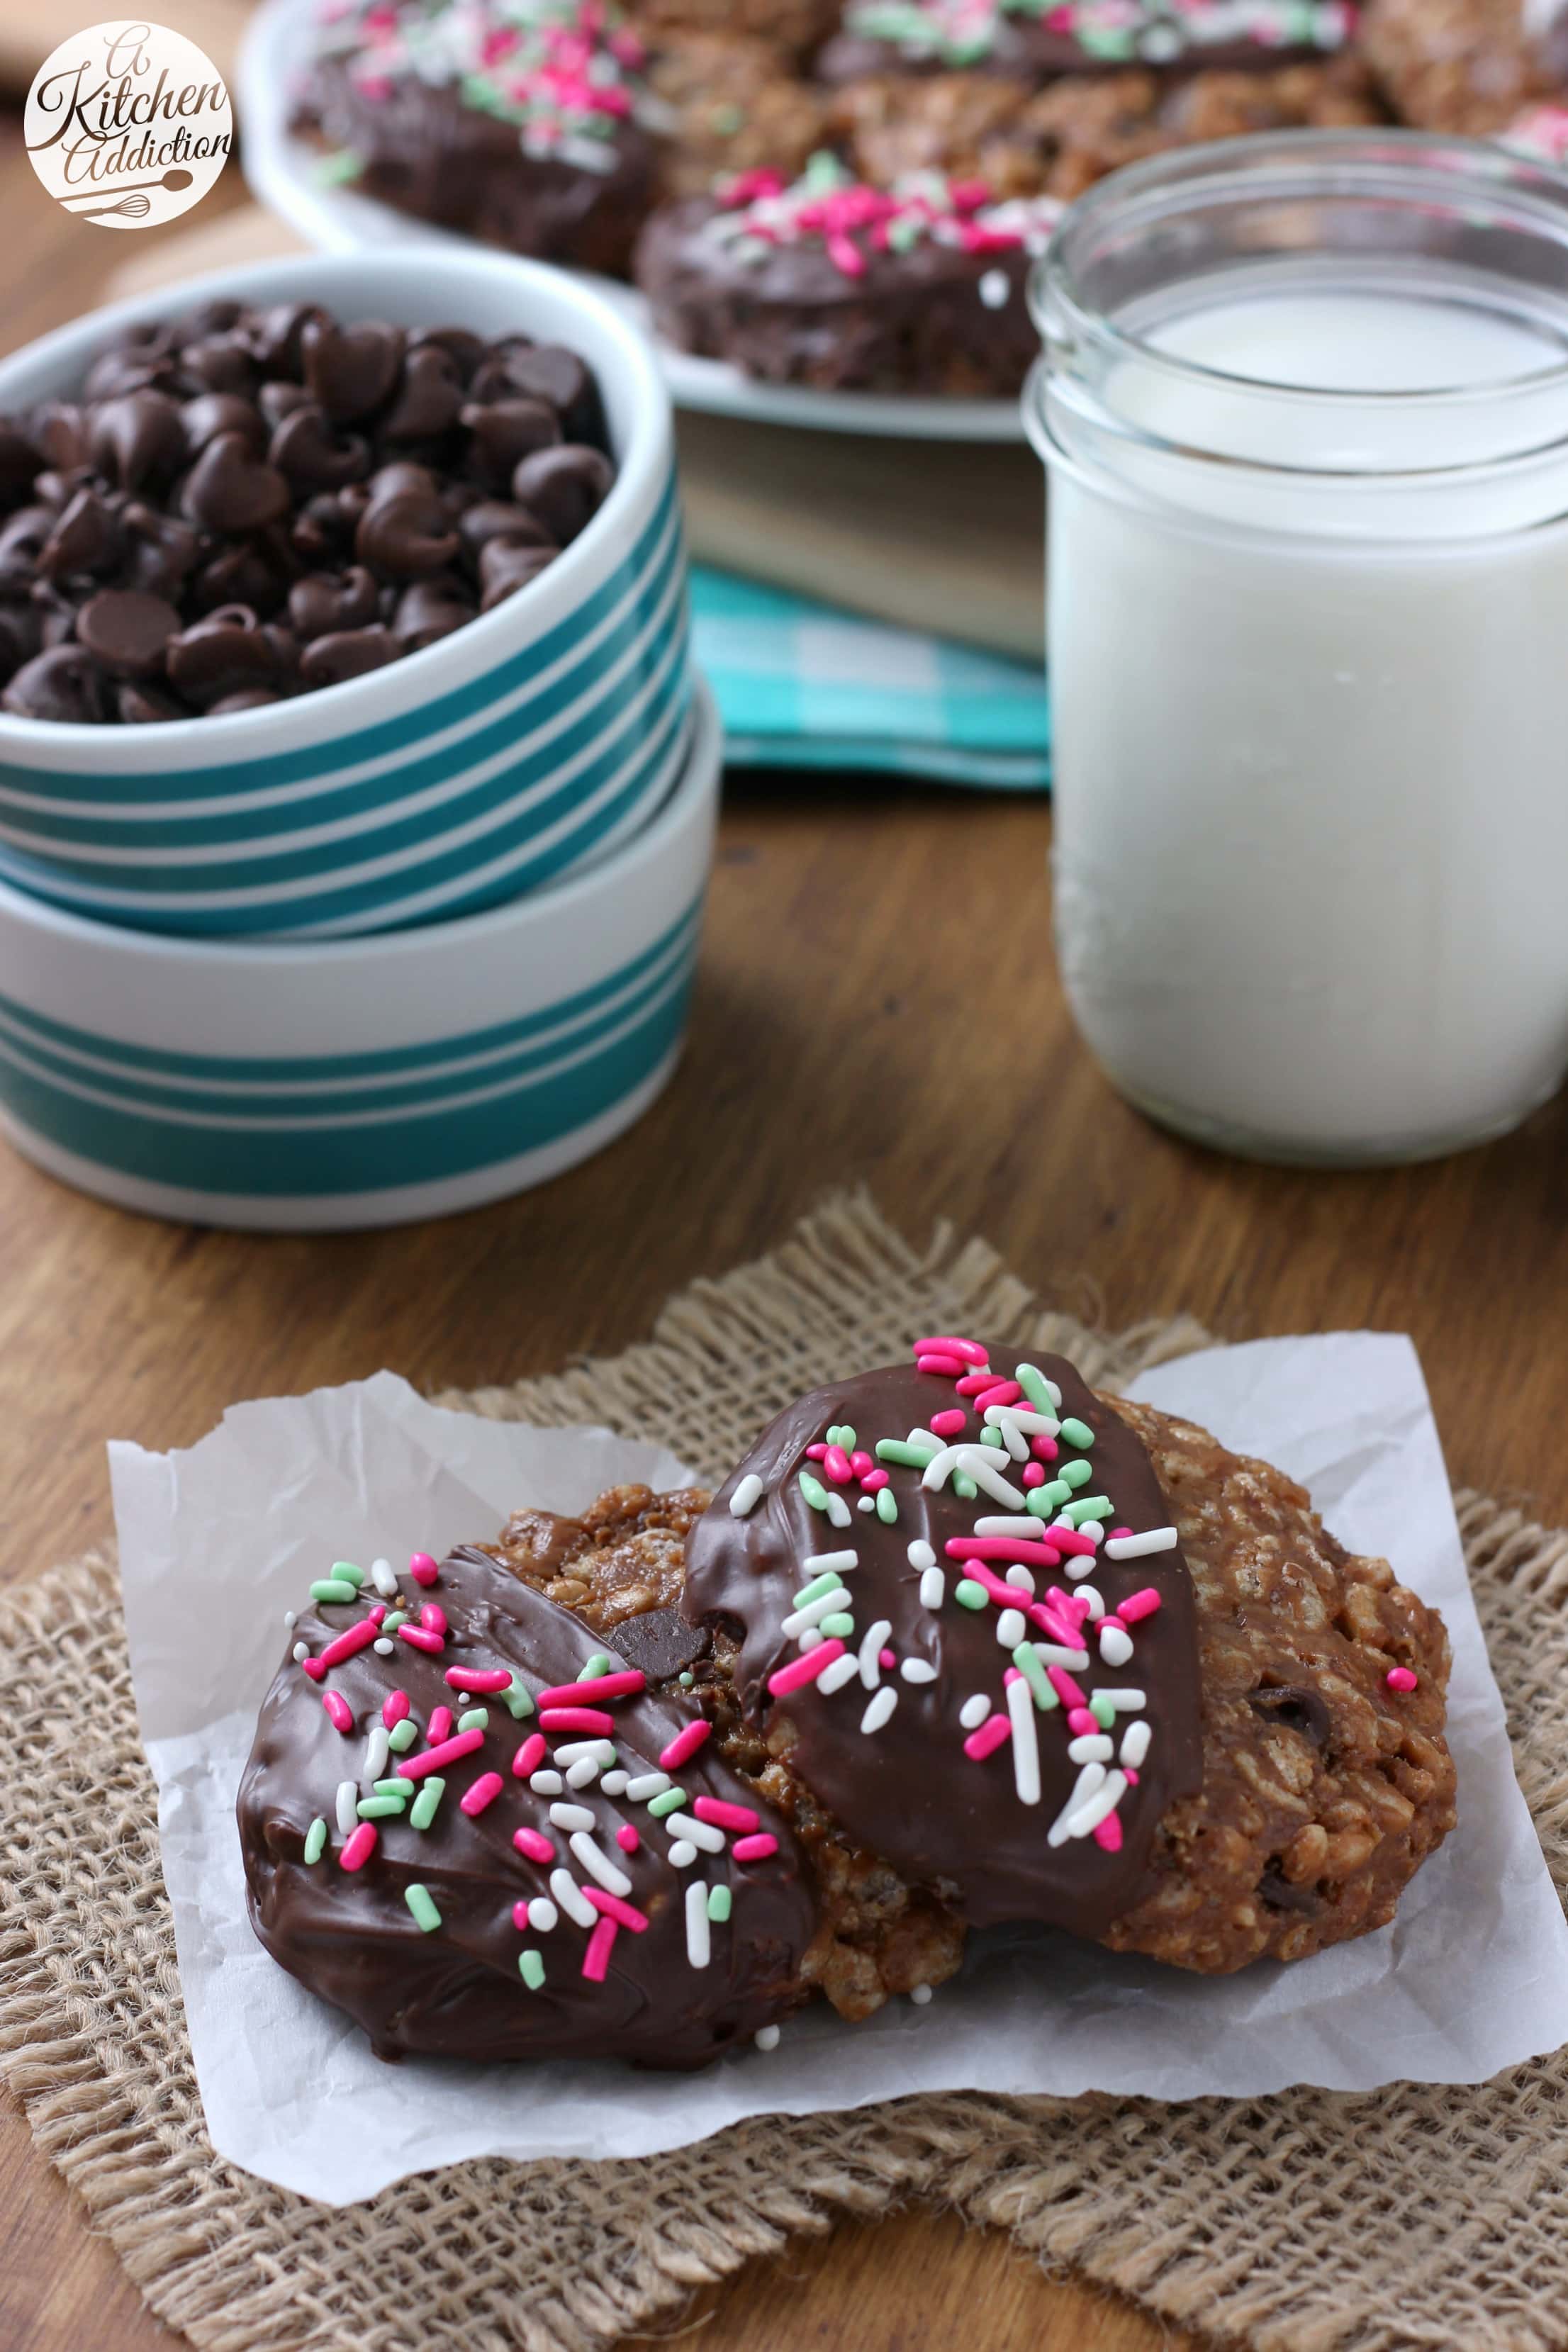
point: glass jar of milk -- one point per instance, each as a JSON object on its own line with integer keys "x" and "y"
{"x": 1304, "y": 402}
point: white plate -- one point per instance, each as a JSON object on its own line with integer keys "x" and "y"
{"x": 283, "y": 171}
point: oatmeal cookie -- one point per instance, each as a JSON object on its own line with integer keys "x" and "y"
{"x": 733, "y": 103}
{"x": 1463, "y": 65}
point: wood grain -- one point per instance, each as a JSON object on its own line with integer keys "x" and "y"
{"x": 877, "y": 1004}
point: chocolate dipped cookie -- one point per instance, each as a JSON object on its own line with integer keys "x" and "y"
{"x": 1037, "y": 40}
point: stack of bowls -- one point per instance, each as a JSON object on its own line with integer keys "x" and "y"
{"x": 403, "y": 944}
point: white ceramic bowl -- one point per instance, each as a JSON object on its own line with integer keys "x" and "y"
{"x": 511, "y": 752}
{"x": 307, "y": 1087}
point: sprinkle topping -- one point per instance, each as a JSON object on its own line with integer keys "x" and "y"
{"x": 761, "y": 213}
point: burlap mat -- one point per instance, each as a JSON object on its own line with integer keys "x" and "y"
{"x": 1412, "y": 2216}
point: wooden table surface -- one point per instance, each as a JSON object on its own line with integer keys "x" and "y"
{"x": 877, "y": 1004}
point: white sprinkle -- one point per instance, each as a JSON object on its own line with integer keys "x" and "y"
{"x": 543, "y": 1915}
{"x": 746, "y": 1496}
{"x": 933, "y": 1586}
{"x": 1050, "y": 1653}
{"x": 382, "y": 1647}
{"x": 973, "y": 1711}
{"x": 879, "y": 1708}
{"x": 1007, "y": 1526}
{"x": 1023, "y": 1416}
{"x": 838, "y": 1512}
{"x": 348, "y": 1807}
{"x": 1096, "y": 1604}
{"x": 1128, "y": 1701}
{"x": 866, "y": 1503}
{"x": 814, "y": 1610}
{"x": 546, "y": 1783}
{"x": 919, "y": 1554}
{"x": 817, "y": 1563}
{"x": 1025, "y": 1747}
{"x": 572, "y": 1751}
{"x": 766, "y": 2037}
{"x": 1049, "y": 1386}
{"x": 1091, "y": 1778}
{"x": 377, "y": 1749}
{"x": 1024, "y": 1578}
{"x": 1140, "y": 1547}
{"x": 572, "y": 1817}
{"x": 1092, "y": 1532}
{"x": 571, "y": 1899}
{"x": 813, "y": 1638}
{"x": 1011, "y": 1627}
{"x": 919, "y": 1995}
{"x": 994, "y": 289}
{"x": 1100, "y": 1806}
{"x": 300, "y": 1653}
{"x": 702, "y": 1833}
{"x": 697, "y": 1940}
{"x": 289, "y": 1621}
{"x": 871, "y": 1641}
{"x": 1115, "y": 1644}
{"x": 843, "y": 1670}
{"x": 615, "y": 1783}
{"x": 1135, "y": 1745}
{"x": 941, "y": 1466}
{"x": 382, "y": 1577}
{"x": 1093, "y": 1748}
{"x": 918, "y": 1670}
{"x": 1013, "y": 1438}
{"x": 647, "y": 1785}
{"x": 682, "y": 1854}
{"x": 586, "y": 1768}
{"x": 979, "y": 1462}
{"x": 1078, "y": 1564}
{"x": 597, "y": 1865}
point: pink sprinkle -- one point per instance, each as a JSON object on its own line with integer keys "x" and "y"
{"x": 1066, "y": 1631}
{"x": 601, "y": 1943}
{"x": 520, "y": 1917}
{"x": 755, "y": 1849}
{"x": 988, "y": 1739}
{"x": 418, "y": 1639}
{"x": 423, "y": 1568}
{"x": 530, "y": 1756}
{"x": 1067, "y": 1604}
{"x": 1121, "y": 1531}
{"x": 614, "y": 1906}
{"x": 725, "y": 1816}
{"x": 314, "y": 1668}
{"x": 1044, "y": 1449}
{"x": 479, "y": 1678}
{"x": 485, "y": 1791}
{"x": 846, "y": 256}
{"x": 875, "y": 1480}
{"x": 1005, "y": 1392}
{"x": 949, "y": 1424}
{"x": 339, "y": 1710}
{"x": 619, "y": 1685}
{"x": 1138, "y": 1604}
{"x": 534, "y": 1845}
{"x": 806, "y": 1668}
{"x": 838, "y": 1467}
{"x": 967, "y": 1349}
{"x": 1081, "y": 1724}
{"x": 358, "y": 1637}
{"x": 439, "y": 1726}
{"x": 864, "y": 1467}
{"x": 816, "y": 1453}
{"x": 1008, "y": 1548}
{"x": 1108, "y": 1834}
{"x": 576, "y": 1719}
{"x": 1068, "y": 1539}
{"x": 360, "y": 1847}
{"x": 945, "y": 1367}
{"x": 1129, "y": 1774}
{"x": 393, "y": 1709}
{"x": 687, "y": 1742}
{"x": 974, "y": 1384}
{"x": 627, "y": 1839}
{"x": 433, "y": 1618}
{"x": 1032, "y": 1474}
{"x": 1400, "y": 1678}
{"x": 886, "y": 1660}
{"x": 1066, "y": 1689}
{"x": 1110, "y": 1618}
{"x": 378, "y": 1612}
{"x": 432, "y": 1759}
{"x": 1011, "y": 1675}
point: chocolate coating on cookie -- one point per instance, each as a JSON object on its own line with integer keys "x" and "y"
{"x": 456, "y": 1989}
{"x": 945, "y": 1816}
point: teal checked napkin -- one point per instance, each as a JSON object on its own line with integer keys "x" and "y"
{"x": 803, "y": 685}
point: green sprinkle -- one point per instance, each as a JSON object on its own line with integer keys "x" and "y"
{"x": 532, "y": 1965}
{"x": 963, "y": 1486}
{"x": 1051, "y": 1496}
{"x": 1104, "y": 1714}
{"x": 820, "y": 1586}
{"x": 844, "y": 1434}
{"x": 839, "y": 1626}
{"x": 333, "y": 1588}
{"x": 1075, "y": 1432}
{"x": 971, "y": 1595}
{"x": 910, "y": 1453}
{"x": 887, "y": 1509}
{"x": 824, "y": 173}
{"x": 422, "y": 1812}
{"x": 393, "y": 1619}
{"x": 1032, "y": 1381}
{"x": 720, "y": 1901}
{"x": 398, "y": 1787}
{"x": 349, "y": 1572}
{"x": 401, "y": 1735}
{"x": 814, "y": 1490}
{"x": 671, "y": 1802}
{"x": 335, "y": 170}
{"x": 476, "y": 1719}
{"x": 1035, "y": 1504}
{"x": 517, "y": 1701}
{"x": 424, "y": 1912}
{"x": 687, "y": 1679}
{"x": 1091, "y": 1507}
{"x": 902, "y": 234}
{"x": 601, "y": 1662}
{"x": 316, "y": 1839}
{"x": 992, "y": 1435}
{"x": 1026, "y": 1659}
{"x": 1074, "y": 1474}
{"x": 380, "y": 1809}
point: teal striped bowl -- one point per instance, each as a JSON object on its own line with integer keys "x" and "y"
{"x": 307, "y": 1087}
{"x": 515, "y": 752}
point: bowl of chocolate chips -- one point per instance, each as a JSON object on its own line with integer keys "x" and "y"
{"x": 338, "y": 594}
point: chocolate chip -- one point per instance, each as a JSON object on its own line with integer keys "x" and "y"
{"x": 248, "y": 698}
{"x": 285, "y": 648}
{"x": 160, "y": 551}
{"x": 57, "y": 613}
{"x": 348, "y": 653}
{"x": 218, "y": 364}
{"x": 224, "y": 653}
{"x": 403, "y": 473}
{"x": 63, "y": 684}
{"x": 212, "y": 412}
{"x": 138, "y": 440}
{"x": 428, "y": 398}
{"x": 431, "y": 609}
{"x": 228, "y": 489}
{"x": 505, "y": 567}
{"x": 549, "y": 371}
{"x": 660, "y": 1641}
{"x": 499, "y": 518}
{"x": 22, "y": 540}
{"x": 19, "y": 463}
{"x": 503, "y": 432}
{"x": 1279, "y": 1893}
{"x": 86, "y": 538}
{"x": 145, "y": 357}
{"x": 143, "y": 706}
{"x": 351, "y": 370}
{"x": 127, "y": 631}
{"x": 218, "y": 315}
{"x": 241, "y": 575}
{"x": 324, "y": 602}
{"x": 564, "y": 487}
{"x": 274, "y": 337}
{"x": 21, "y": 631}
{"x": 61, "y": 430}
{"x": 1299, "y": 1710}
{"x": 311, "y": 457}
{"x": 277, "y": 401}
{"x": 464, "y": 350}
{"x": 407, "y": 536}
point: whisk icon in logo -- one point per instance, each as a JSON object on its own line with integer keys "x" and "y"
{"x": 127, "y": 124}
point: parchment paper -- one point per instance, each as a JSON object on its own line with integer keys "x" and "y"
{"x": 217, "y": 1541}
